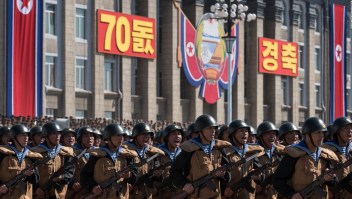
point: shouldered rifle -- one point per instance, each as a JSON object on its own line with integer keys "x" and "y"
{"x": 144, "y": 178}
{"x": 316, "y": 184}
{"x": 245, "y": 181}
{"x": 207, "y": 178}
{"x": 118, "y": 174}
{"x": 62, "y": 170}
{"x": 14, "y": 180}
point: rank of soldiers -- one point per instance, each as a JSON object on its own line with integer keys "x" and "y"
{"x": 204, "y": 161}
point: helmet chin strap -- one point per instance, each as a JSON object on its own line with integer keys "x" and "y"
{"x": 201, "y": 134}
{"x": 48, "y": 140}
{"x": 311, "y": 139}
{"x": 266, "y": 146}
{"x": 235, "y": 140}
{"x": 16, "y": 140}
{"x": 112, "y": 144}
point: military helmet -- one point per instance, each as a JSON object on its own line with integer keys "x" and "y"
{"x": 128, "y": 132}
{"x": 252, "y": 130}
{"x": 171, "y": 128}
{"x": 313, "y": 124}
{"x": 84, "y": 130}
{"x": 51, "y": 127}
{"x": 97, "y": 133}
{"x": 36, "y": 130}
{"x": 68, "y": 130}
{"x": 237, "y": 124}
{"x": 203, "y": 122}
{"x": 190, "y": 130}
{"x": 287, "y": 127}
{"x": 340, "y": 123}
{"x": 224, "y": 128}
{"x": 141, "y": 128}
{"x": 17, "y": 130}
{"x": 113, "y": 129}
{"x": 4, "y": 130}
{"x": 265, "y": 127}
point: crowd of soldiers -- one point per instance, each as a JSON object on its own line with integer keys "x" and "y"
{"x": 204, "y": 161}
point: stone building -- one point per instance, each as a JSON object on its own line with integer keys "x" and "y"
{"x": 81, "y": 82}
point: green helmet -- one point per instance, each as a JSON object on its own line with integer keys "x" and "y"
{"x": 313, "y": 124}
{"x": 84, "y": 130}
{"x": 287, "y": 127}
{"x": 17, "y": 130}
{"x": 51, "y": 127}
{"x": 237, "y": 124}
{"x": 36, "y": 130}
{"x": 252, "y": 130}
{"x": 113, "y": 129}
{"x": 141, "y": 128}
{"x": 265, "y": 127}
{"x": 339, "y": 123}
{"x": 203, "y": 122}
{"x": 171, "y": 128}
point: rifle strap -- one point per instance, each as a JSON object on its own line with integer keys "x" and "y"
{"x": 249, "y": 188}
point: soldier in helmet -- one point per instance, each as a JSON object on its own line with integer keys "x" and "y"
{"x": 14, "y": 158}
{"x": 198, "y": 157}
{"x": 267, "y": 134}
{"x": 68, "y": 137}
{"x": 341, "y": 134}
{"x": 304, "y": 162}
{"x": 252, "y": 137}
{"x": 85, "y": 140}
{"x": 190, "y": 133}
{"x": 105, "y": 162}
{"x": 238, "y": 132}
{"x": 289, "y": 134}
{"x": 59, "y": 155}
{"x": 98, "y": 138}
{"x": 222, "y": 133}
{"x": 4, "y": 135}
{"x": 141, "y": 134}
{"x": 172, "y": 139}
{"x": 36, "y": 136}
{"x": 128, "y": 135}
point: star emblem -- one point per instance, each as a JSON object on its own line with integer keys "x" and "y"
{"x": 338, "y": 53}
{"x": 24, "y": 6}
{"x": 190, "y": 49}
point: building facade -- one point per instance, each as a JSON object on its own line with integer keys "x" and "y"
{"x": 81, "y": 82}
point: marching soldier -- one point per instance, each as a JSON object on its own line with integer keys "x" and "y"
{"x": 200, "y": 156}
{"x": 14, "y": 158}
{"x": 98, "y": 138}
{"x": 56, "y": 187}
{"x": 172, "y": 137}
{"x": 342, "y": 147}
{"x": 304, "y": 162}
{"x": 4, "y": 135}
{"x": 85, "y": 140}
{"x": 141, "y": 134}
{"x": 252, "y": 137}
{"x": 68, "y": 137}
{"x": 289, "y": 134}
{"x": 105, "y": 163}
{"x": 267, "y": 134}
{"x": 223, "y": 133}
{"x": 36, "y": 136}
{"x": 238, "y": 134}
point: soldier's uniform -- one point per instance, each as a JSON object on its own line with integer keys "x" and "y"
{"x": 13, "y": 162}
{"x": 235, "y": 154}
{"x": 197, "y": 160}
{"x": 343, "y": 154}
{"x": 300, "y": 166}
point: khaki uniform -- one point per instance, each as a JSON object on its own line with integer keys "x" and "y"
{"x": 307, "y": 170}
{"x": 237, "y": 173}
{"x": 341, "y": 173}
{"x": 269, "y": 192}
{"x": 10, "y": 167}
{"x": 46, "y": 170}
{"x": 143, "y": 191}
{"x": 194, "y": 163}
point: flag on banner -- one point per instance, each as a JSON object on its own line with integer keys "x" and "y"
{"x": 203, "y": 54}
{"x": 24, "y": 63}
{"x": 338, "y": 61}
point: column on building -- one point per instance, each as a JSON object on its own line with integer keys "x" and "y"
{"x": 194, "y": 12}
{"x": 3, "y": 9}
{"x": 169, "y": 69}
{"x": 69, "y": 59}
{"x": 147, "y": 69}
{"x": 255, "y": 79}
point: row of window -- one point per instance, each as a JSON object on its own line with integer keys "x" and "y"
{"x": 79, "y": 114}
{"x": 80, "y": 20}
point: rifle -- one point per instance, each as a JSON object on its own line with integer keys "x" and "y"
{"x": 14, "y": 180}
{"x": 244, "y": 181}
{"x": 315, "y": 185}
{"x": 118, "y": 174}
{"x": 342, "y": 184}
{"x": 48, "y": 184}
{"x": 207, "y": 178}
{"x": 143, "y": 178}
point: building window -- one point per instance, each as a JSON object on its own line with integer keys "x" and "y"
{"x": 301, "y": 94}
{"x": 50, "y": 112}
{"x": 50, "y": 62}
{"x": 317, "y": 95}
{"x": 134, "y": 76}
{"x": 284, "y": 90}
{"x": 50, "y": 10}
{"x": 317, "y": 24}
{"x": 108, "y": 75}
{"x": 317, "y": 59}
{"x": 81, "y": 23}
{"x": 348, "y": 63}
{"x": 108, "y": 114}
{"x": 80, "y": 73}
{"x": 300, "y": 56}
{"x": 300, "y": 21}
{"x": 283, "y": 17}
{"x": 79, "y": 114}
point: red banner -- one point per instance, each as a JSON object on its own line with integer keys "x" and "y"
{"x": 128, "y": 35}
{"x": 278, "y": 57}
